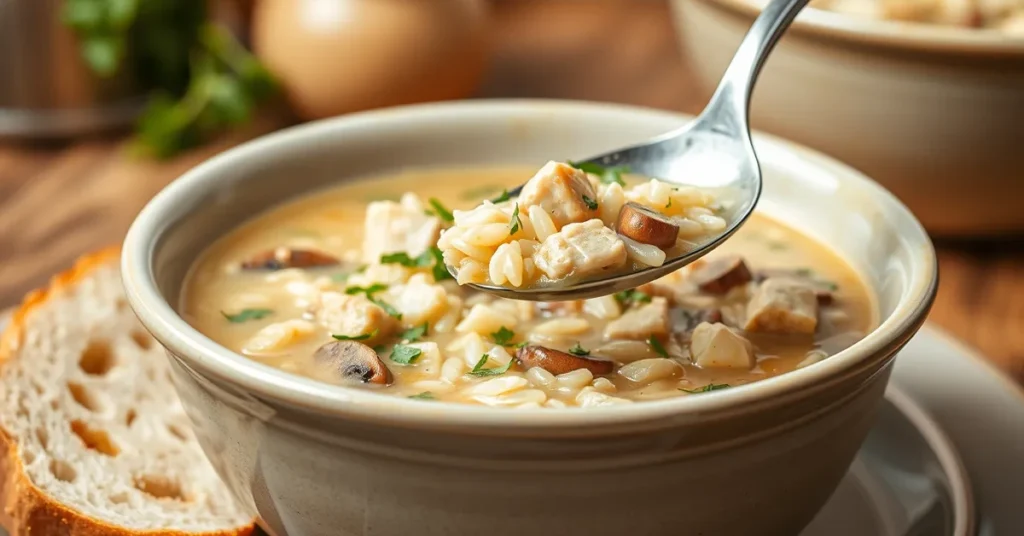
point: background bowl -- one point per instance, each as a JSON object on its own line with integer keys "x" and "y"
{"x": 936, "y": 114}
{"x": 316, "y": 459}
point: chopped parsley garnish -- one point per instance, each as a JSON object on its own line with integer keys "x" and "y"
{"x": 505, "y": 196}
{"x": 362, "y": 337}
{"x": 440, "y": 270}
{"x": 579, "y": 350}
{"x": 342, "y": 277}
{"x": 432, "y": 258}
{"x": 607, "y": 175}
{"x": 591, "y": 204}
{"x": 707, "y": 388}
{"x": 656, "y": 346}
{"x": 403, "y": 258}
{"x": 479, "y": 370}
{"x": 629, "y": 297}
{"x": 405, "y": 355}
{"x": 369, "y": 291}
{"x": 440, "y": 210}
{"x": 503, "y": 337}
{"x": 246, "y": 315}
{"x": 515, "y": 223}
{"x": 804, "y": 272}
{"x": 391, "y": 311}
{"x": 415, "y": 333}
{"x": 425, "y": 395}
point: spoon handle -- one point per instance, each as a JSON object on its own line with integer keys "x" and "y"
{"x": 732, "y": 98}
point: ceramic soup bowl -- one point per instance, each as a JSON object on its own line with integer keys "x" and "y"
{"x": 933, "y": 113}
{"x": 317, "y": 459}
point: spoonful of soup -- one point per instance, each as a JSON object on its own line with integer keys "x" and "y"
{"x": 577, "y": 230}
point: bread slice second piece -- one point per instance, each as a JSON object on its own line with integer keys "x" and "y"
{"x": 93, "y": 438}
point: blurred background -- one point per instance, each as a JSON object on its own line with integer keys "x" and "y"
{"x": 103, "y": 102}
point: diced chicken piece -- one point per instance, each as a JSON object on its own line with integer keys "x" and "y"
{"x": 640, "y": 322}
{"x": 403, "y": 226}
{"x": 782, "y": 305}
{"x": 715, "y": 345}
{"x": 559, "y": 190}
{"x": 580, "y": 249}
{"x": 419, "y": 301}
{"x": 353, "y": 316}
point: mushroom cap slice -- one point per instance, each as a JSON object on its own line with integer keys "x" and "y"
{"x": 353, "y": 361}
{"x": 281, "y": 258}
{"x": 721, "y": 274}
{"x": 559, "y": 362}
{"x": 647, "y": 226}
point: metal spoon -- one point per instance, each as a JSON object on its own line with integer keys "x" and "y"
{"x": 714, "y": 151}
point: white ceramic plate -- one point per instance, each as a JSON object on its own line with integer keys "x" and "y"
{"x": 948, "y": 410}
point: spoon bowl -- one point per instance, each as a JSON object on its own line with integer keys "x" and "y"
{"x": 713, "y": 152}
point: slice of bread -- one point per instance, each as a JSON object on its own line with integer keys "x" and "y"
{"x": 93, "y": 438}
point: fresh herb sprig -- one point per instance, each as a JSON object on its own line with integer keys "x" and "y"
{"x": 201, "y": 80}
{"x": 706, "y": 388}
{"x": 656, "y": 345}
{"x": 432, "y": 258}
{"x": 608, "y": 175}
{"x": 480, "y": 371}
{"x": 246, "y": 315}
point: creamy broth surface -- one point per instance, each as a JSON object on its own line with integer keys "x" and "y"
{"x": 232, "y": 305}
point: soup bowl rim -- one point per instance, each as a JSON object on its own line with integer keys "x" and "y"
{"x": 207, "y": 358}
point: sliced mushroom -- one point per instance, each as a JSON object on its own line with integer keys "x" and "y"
{"x": 718, "y": 276}
{"x": 558, "y": 362}
{"x": 823, "y": 291}
{"x": 353, "y": 361}
{"x": 648, "y": 226}
{"x": 281, "y": 258}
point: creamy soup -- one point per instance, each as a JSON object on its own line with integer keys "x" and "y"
{"x": 316, "y": 287}
{"x": 573, "y": 224}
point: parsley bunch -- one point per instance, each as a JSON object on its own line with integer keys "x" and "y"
{"x": 201, "y": 80}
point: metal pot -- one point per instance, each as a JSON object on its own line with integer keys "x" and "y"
{"x": 46, "y": 89}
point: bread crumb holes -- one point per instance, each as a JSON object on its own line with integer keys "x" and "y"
{"x": 95, "y": 439}
{"x": 97, "y": 359}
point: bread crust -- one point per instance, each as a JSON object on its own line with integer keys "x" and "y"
{"x": 27, "y": 510}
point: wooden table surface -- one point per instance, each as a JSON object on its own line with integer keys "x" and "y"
{"x": 57, "y": 202}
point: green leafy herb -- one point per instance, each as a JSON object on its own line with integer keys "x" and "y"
{"x": 405, "y": 355}
{"x": 479, "y": 370}
{"x": 503, "y": 337}
{"x": 804, "y": 272}
{"x": 832, "y": 287}
{"x": 515, "y": 223}
{"x": 591, "y": 204}
{"x": 440, "y": 210}
{"x": 629, "y": 297}
{"x": 607, "y": 175}
{"x": 656, "y": 346}
{"x": 388, "y": 308}
{"x": 521, "y": 344}
{"x": 342, "y": 277}
{"x": 425, "y": 395}
{"x": 440, "y": 270}
{"x": 225, "y": 85}
{"x": 579, "y": 350}
{"x": 369, "y": 291}
{"x": 707, "y": 388}
{"x": 431, "y": 258}
{"x": 246, "y": 315}
{"x": 505, "y": 196}
{"x": 362, "y": 337}
{"x": 415, "y": 333}
{"x": 403, "y": 258}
